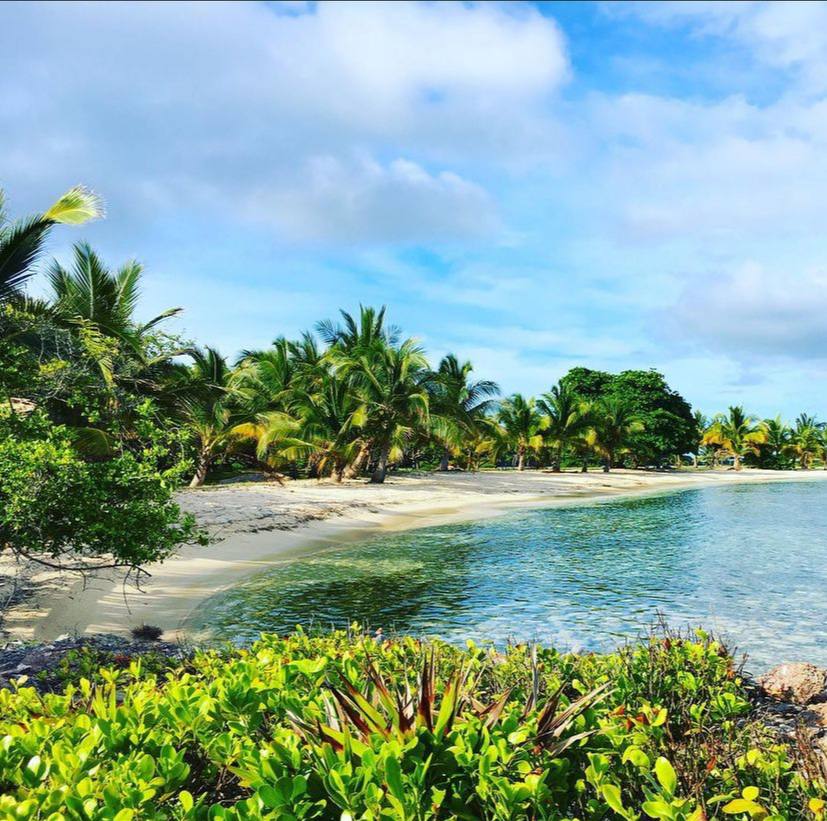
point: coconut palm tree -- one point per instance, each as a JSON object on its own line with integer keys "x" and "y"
{"x": 735, "y": 433}
{"x": 807, "y": 440}
{"x": 613, "y": 421}
{"x": 210, "y": 405}
{"x": 391, "y": 382}
{"x": 457, "y": 404}
{"x": 701, "y": 423}
{"x": 522, "y": 426}
{"x": 565, "y": 418}
{"x": 22, "y": 241}
{"x": 89, "y": 294}
{"x": 357, "y": 338}
{"x": 777, "y": 442}
{"x": 322, "y": 426}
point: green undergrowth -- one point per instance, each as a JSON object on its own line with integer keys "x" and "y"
{"x": 344, "y": 726}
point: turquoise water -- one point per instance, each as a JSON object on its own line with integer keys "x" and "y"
{"x": 749, "y": 561}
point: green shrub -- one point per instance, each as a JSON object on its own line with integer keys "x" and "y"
{"x": 60, "y": 507}
{"x": 344, "y": 727}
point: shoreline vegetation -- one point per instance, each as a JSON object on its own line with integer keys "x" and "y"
{"x": 343, "y": 725}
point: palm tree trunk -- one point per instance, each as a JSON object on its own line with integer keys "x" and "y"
{"x": 443, "y": 465}
{"x": 558, "y": 459}
{"x": 201, "y": 471}
{"x": 521, "y": 458}
{"x": 381, "y": 466}
{"x": 736, "y": 461}
{"x": 607, "y": 462}
{"x": 584, "y": 468}
{"x": 355, "y": 467}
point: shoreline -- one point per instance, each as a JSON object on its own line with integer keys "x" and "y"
{"x": 258, "y": 526}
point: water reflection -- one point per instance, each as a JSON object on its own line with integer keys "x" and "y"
{"x": 748, "y": 560}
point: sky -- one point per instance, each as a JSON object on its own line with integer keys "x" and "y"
{"x": 530, "y": 186}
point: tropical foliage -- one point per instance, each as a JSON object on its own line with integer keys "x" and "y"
{"x": 342, "y": 726}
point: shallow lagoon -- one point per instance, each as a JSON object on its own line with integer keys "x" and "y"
{"x": 748, "y": 561}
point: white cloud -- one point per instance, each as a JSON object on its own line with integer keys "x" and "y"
{"x": 364, "y": 201}
{"x": 184, "y": 106}
{"x": 753, "y": 313}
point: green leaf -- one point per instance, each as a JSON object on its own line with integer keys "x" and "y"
{"x": 666, "y": 776}
{"x": 393, "y": 775}
{"x": 611, "y": 795}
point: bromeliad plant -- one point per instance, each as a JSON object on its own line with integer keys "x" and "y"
{"x": 343, "y": 726}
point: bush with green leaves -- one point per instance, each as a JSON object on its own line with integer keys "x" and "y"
{"x": 343, "y": 726}
{"x": 62, "y": 507}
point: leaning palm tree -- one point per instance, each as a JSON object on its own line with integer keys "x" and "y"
{"x": 565, "y": 418}
{"x": 22, "y": 241}
{"x": 522, "y": 424}
{"x": 458, "y": 405}
{"x": 614, "y": 421}
{"x": 735, "y": 433}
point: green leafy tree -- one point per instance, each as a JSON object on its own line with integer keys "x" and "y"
{"x": 61, "y": 509}
{"x": 669, "y": 428}
{"x": 391, "y": 381}
{"x": 89, "y": 296}
{"x": 211, "y": 408}
{"x": 521, "y": 422}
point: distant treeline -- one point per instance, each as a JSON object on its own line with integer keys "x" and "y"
{"x": 98, "y": 401}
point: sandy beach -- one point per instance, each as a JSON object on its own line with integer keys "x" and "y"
{"x": 255, "y": 526}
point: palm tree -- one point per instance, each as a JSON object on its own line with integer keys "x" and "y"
{"x": 323, "y": 426}
{"x": 614, "y": 421}
{"x": 521, "y": 422}
{"x": 206, "y": 405}
{"x": 457, "y": 404}
{"x": 807, "y": 440}
{"x": 361, "y": 334}
{"x": 701, "y": 423}
{"x": 22, "y": 241}
{"x": 565, "y": 419}
{"x": 351, "y": 340}
{"x": 736, "y": 433}
{"x": 391, "y": 381}
{"x": 89, "y": 294}
{"x": 777, "y": 442}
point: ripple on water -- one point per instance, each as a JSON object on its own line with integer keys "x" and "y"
{"x": 748, "y": 561}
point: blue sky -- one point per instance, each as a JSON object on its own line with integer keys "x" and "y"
{"x": 532, "y": 186}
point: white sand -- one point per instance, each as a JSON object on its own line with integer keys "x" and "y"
{"x": 259, "y": 525}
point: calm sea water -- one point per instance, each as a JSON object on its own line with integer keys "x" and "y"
{"x": 748, "y": 561}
